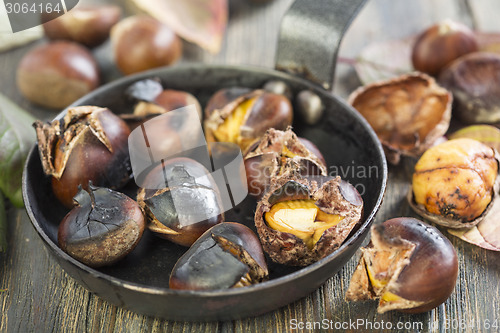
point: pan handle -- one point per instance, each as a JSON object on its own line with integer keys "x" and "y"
{"x": 310, "y": 36}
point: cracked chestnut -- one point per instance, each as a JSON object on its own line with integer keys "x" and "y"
{"x": 181, "y": 200}
{"x": 268, "y": 158}
{"x": 102, "y": 228}
{"x": 88, "y": 144}
{"x": 408, "y": 265}
{"x": 455, "y": 182}
{"x": 228, "y": 255}
{"x": 301, "y": 220}
{"x": 247, "y": 117}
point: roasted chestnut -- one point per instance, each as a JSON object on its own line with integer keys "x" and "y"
{"x": 102, "y": 228}
{"x": 440, "y": 44}
{"x": 142, "y": 42}
{"x": 301, "y": 220}
{"x": 409, "y": 113}
{"x": 409, "y": 265}
{"x": 267, "y": 159}
{"x": 88, "y": 25}
{"x": 247, "y": 117}
{"x": 88, "y": 144}
{"x": 181, "y": 200}
{"x": 223, "y": 97}
{"x": 228, "y": 255}
{"x": 56, "y": 74}
{"x": 474, "y": 80}
{"x": 455, "y": 182}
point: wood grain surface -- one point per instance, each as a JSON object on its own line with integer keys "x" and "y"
{"x": 38, "y": 296}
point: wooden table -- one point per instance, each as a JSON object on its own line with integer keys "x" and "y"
{"x": 40, "y": 296}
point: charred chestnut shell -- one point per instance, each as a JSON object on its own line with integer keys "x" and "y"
{"x": 103, "y": 227}
{"x": 247, "y": 117}
{"x": 267, "y": 159}
{"x": 303, "y": 238}
{"x": 408, "y": 113}
{"x": 186, "y": 206}
{"x": 88, "y": 144}
{"x": 455, "y": 182}
{"x": 408, "y": 264}
{"x": 228, "y": 255}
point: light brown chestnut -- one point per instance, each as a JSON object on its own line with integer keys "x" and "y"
{"x": 56, "y": 74}
{"x": 88, "y": 25}
{"x": 142, "y": 42}
{"x": 408, "y": 265}
{"x": 439, "y": 45}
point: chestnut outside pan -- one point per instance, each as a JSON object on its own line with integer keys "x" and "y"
{"x": 310, "y": 35}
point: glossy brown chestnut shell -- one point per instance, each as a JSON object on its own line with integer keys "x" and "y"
{"x": 56, "y": 74}
{"x": 88, "y": 25}
{"x": 474, "y": 80}
{"x": 247, "y": 117}
{"x": 187, "y": 207}
{"x": 440, "y": 44}
{"x": 267, "y": 158}
{"x": 455, "y": 183}
{"x": 103, "y": 227}
{"x": 88, "y": 144}
{"x": 228, "y": 255}
{"x": 141, "y": 42}
{"x": 408, "y": 113}
{"x": 409, "y": 265}
{"x": 330, "y": 195}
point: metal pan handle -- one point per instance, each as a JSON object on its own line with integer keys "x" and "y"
{"x": 310, "y": 36}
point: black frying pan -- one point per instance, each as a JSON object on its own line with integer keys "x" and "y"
{"x": 309, "y": 39}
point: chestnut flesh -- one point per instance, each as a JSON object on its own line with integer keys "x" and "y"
{"x": 88, "y": 144}
{"x": 56, "y": 74}
{"x": 142, "y": 42}
{"x": 268, "y": 157}
{"x": 301, "y": 220}
{"x": 228, "y": 255}
{"x": 88, "y": 25}
{"x": 439, "y": 45}
{"x": 182, "y": 211}
{"x": 455, "y": 182}
{"x": 409, "y": 265}
{"x": 474, "y": 80}
{"x": 246, "y": 118}
{"x": 102, "y": 228}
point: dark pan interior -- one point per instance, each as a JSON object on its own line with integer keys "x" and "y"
{"x": 348, "y": 145}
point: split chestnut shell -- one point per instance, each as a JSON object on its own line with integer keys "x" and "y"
{"x": 228, "y": 255}
{"x": 408, "y": 113}
{"x": 267, "y": 159}
{"x": 186, "y": 206}
{"x": 301, "y": 220}
{"x": 89, "y": 143}
{"x": 247, "y": 117}
{"x": 409, "y": 265}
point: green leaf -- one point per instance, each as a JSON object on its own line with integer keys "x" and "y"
{"x": 16, "y": 139}
{"x": 3, "y": 225}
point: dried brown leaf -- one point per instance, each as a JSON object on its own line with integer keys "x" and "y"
{"x": 202, "y": 22}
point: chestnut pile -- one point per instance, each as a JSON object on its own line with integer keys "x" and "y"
{"x": 57, "y": 73}
{"x": 302, "y": 214}
{"x": 409, "y": 265}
